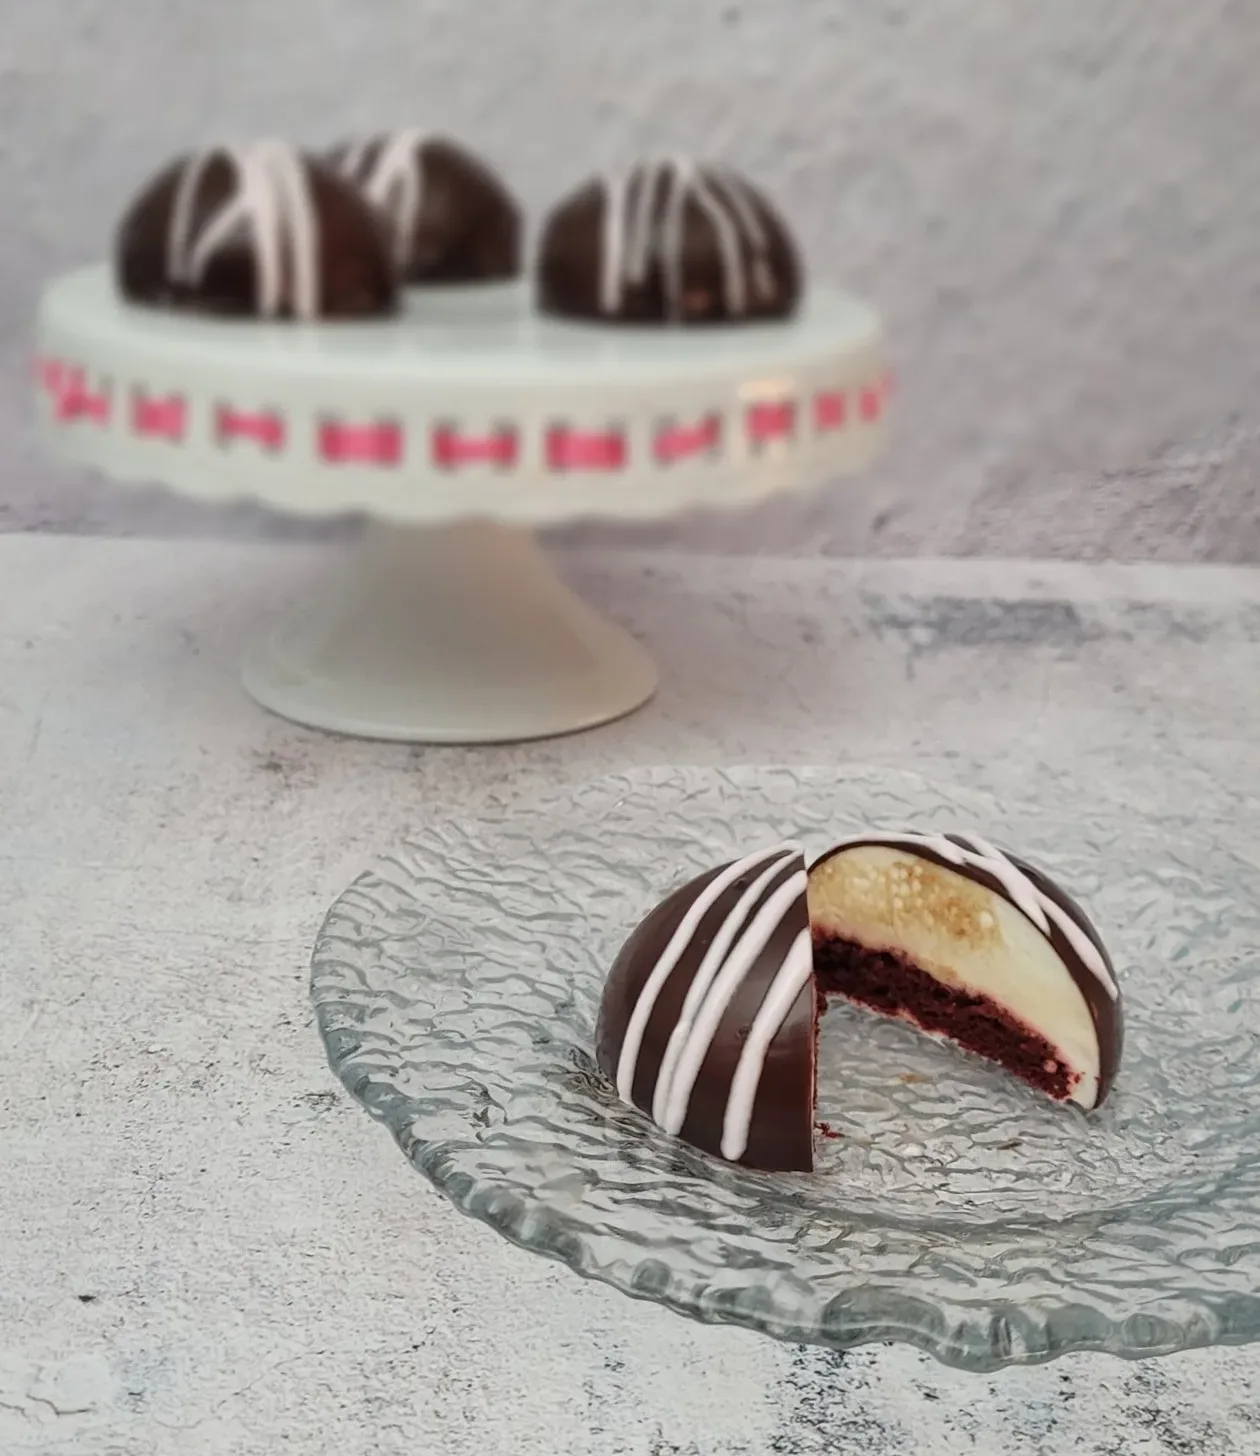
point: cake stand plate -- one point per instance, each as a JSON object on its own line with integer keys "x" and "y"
{"x": 466, "y": 415}
{"x": 457, "y": 986}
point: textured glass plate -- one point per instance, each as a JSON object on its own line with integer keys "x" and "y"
{"x": 457, "y": 987}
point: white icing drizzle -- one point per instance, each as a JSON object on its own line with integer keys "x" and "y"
{"x": 392, "y": 180}
{"x": 637, "y": 231}
{"x": 750, "y": 944}
{"x": 628, "y": 1060}
{"x": 795, "y": 973}
{"x": 271, "y": 205}
{"x": 1039, "y": 908}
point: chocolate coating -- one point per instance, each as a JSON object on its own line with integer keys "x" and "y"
{"x": 779, "y": 1133}
{"x": 670, "y": 242}
{"x": 317, "y": 223}
{"x": 447, "y": 216}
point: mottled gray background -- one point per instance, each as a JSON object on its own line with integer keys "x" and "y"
{"x": 1056, "y": 206}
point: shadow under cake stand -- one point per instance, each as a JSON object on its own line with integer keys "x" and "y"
{"x": 456, "y": 428}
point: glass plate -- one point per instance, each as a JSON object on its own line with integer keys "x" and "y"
{"x": 457, "y": 986}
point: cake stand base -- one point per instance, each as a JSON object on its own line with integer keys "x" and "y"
{"x": 452, "y": 634}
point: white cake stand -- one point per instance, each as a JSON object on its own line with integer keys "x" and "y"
{"x": 456, "y": 428}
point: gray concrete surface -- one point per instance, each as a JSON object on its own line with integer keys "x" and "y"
{"x": 1057, "y": 206}
{"x": 210, "y": 1250}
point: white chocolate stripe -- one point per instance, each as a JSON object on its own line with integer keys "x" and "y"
{"x": 351, "y": 160}
{"x": 292, "y": 188}
{"x": 678, "y": 943}
{"x": 1084, "y": 947}
{"x": 710, "y": 965}
{"x": 640, "y": 221}
{"x": 613, "y": 243}
{"x": 793, "y": 975}
{"x": 179, "y": 231}
{"x": 743, "y": 957}
{"x": 1039, "y": 908}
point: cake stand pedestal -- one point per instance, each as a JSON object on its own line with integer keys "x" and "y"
{"x": 448, "y": 634}
{"x": 456, "y": 428}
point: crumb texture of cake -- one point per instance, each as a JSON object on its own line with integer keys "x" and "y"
{"x": 972, "y": 944}
{"x": 668, "y": 241}
{"x": 254, "y": 230}
{"x": 448, "y": 217}
{"x": 708, "y": 1022}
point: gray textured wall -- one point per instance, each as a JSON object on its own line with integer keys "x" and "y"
{"x": 1055, "y": 205}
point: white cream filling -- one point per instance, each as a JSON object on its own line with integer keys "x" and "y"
{"x": 966, "y": 936}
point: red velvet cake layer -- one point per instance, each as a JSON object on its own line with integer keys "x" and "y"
{"x": 891, "y": 984}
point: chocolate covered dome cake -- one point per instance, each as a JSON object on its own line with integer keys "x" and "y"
{"x": 709, "y": 1019}
{"x": 448, "y": 217}
{"x": 670, "y": 241}
{"x": 257, "y": 230}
